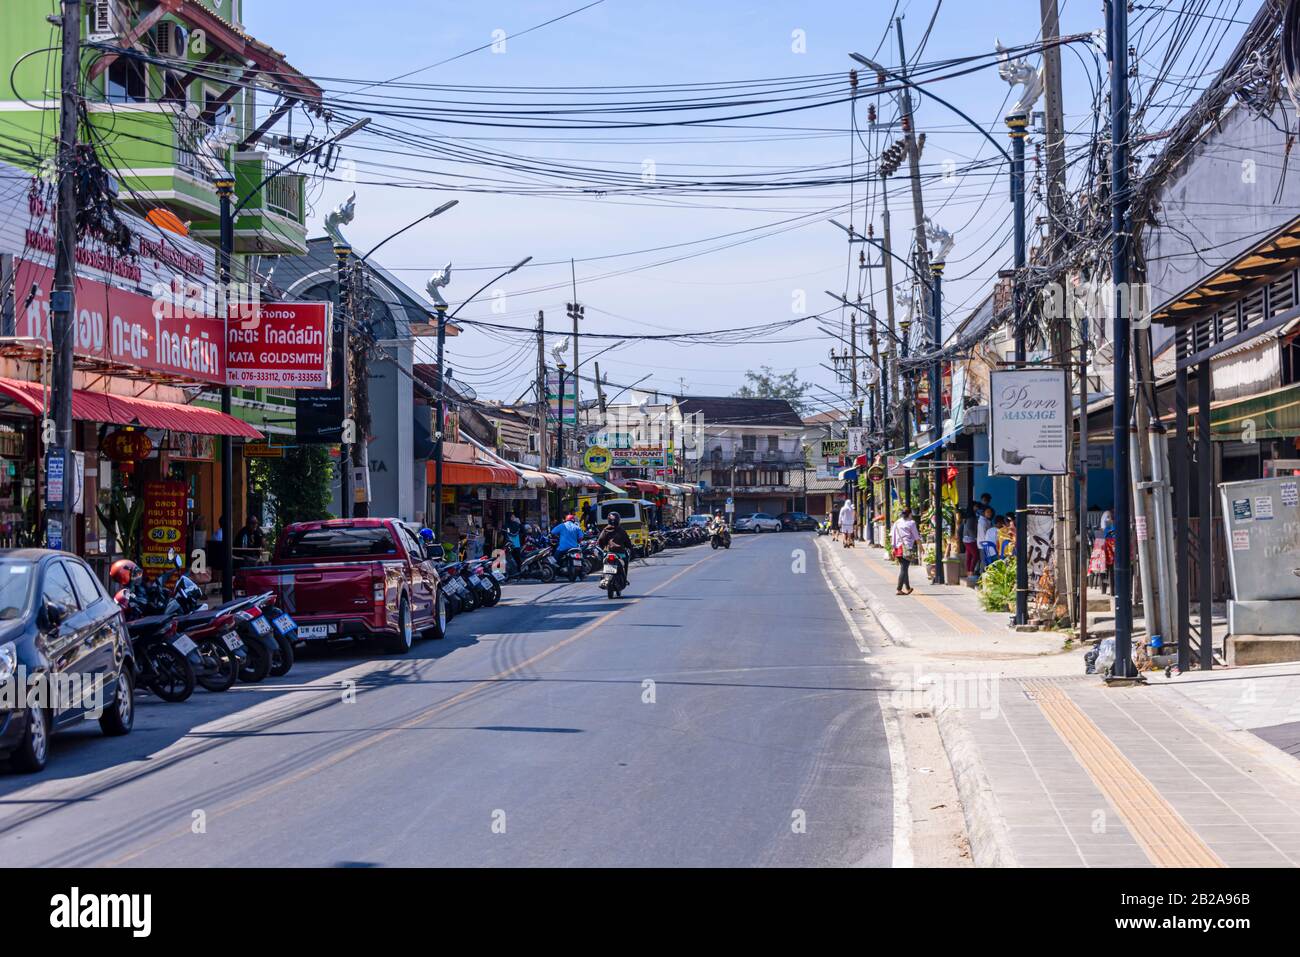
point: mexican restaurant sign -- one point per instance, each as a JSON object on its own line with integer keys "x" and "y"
{"x": 157, "y": 306}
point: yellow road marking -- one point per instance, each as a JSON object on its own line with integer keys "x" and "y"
{"x": 267, "y": 789}
{"x": 1167, "y": 839}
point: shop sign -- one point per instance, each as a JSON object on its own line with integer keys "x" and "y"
{"x": 164, "y": 525}
{"x": 596, "y": 460}
{"x": 857, "y": 440}
{"x": 284, "y": 345}
{"x": 192, "y": 447}
{"x": 263, "y": 450}
{"x": 834, "y": 448}
{"x": 639, "y": 457}
{"x": 122, "y": 327}
{"x": 1029, "y": 422}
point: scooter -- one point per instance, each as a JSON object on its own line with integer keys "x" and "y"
{"x": 720, "y": 538}
{"x": 613, "y": 576}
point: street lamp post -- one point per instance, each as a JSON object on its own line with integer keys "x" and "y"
{"x": 440, "y": 308}
{"x": 559, "y": 434}
{"x": 224, "y": 183}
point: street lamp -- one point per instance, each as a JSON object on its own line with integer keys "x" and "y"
{"x": 559, "y": 435}
{"x": 435, "y": 285}
{"x": 224, "y": 183}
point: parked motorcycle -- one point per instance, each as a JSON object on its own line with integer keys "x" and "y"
{"x": 165, "y": 659}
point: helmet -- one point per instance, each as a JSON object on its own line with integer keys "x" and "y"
{"x": 124, "y": 571}
{"x": 426, "y": 534}
{"x": 569, "y": 517}
{"x": 613, "y": 518}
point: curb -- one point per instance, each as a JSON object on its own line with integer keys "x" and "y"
{"x": 990, "y": 841}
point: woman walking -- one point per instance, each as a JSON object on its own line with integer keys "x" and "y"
{"x": 904, "y": 537}
{"x": 848, "y": 523}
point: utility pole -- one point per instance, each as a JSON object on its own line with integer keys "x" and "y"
{"x": 543, "y": 406}
{"x": 359, "y": 306}
{"x": 600, "y": 393}
{"x": 63, "y": 298}
{"x": 1017, "y": 123}
{"x": 914, "y": 168}
{"x": 1065, "y": 525}
{"x": 877, "y": 419}
{"x": 888, "y": 261}
{"x": 936, "y": 418}
{"x": 1120, "y": 224}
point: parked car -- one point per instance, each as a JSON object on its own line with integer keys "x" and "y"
{"x": 59, "y": 622}
{"x": 757, "y": 522}
{"x": 353, "y": 578}
{"x": 701, "y": 519}
{"x": 797, "y": 522}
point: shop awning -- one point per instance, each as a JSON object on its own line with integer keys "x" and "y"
{"x": 576, "y": 478}
{"x": 462, "y": 465}
{"x": 126, "y": 410}
{"x": 532, "y": 478}
{"x": 927, "y": 450}
{"x": 642, "y": 487}
{"x": 1275, "y": 414}
{"x": 849, "y": 474}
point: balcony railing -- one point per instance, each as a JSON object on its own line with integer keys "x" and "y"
{"x": 284, "y": 196}
{"x": 190, "y": 134}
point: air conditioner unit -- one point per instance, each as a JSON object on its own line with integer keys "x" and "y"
{"x": 169, "y": 39}
{"x": 106, "y": 20}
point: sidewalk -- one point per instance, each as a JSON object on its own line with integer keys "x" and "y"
{"x": 1055, "y": 769}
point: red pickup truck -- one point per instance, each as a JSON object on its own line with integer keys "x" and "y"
{"x": 353, "y": 578}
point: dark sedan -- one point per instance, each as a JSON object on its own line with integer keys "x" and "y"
{"x": 65, "y": 654}
{"x": 797, "y": 522}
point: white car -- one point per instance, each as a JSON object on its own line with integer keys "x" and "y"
{"x": 758, "y": 522}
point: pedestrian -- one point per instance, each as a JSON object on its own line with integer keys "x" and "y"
{"x": 848, "y": 522}
{"x": 970, "y": 541}
{"x": 904, "y": 537}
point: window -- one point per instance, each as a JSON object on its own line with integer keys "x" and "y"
{"x": 58, "y": 588}
{"x": 744, "y": 477}
{"x": 88, "y": 590}
{"x": 749, "y": 442}
{"x": 771, "y": 477}
{"x": 126, "y": 82}
{"x": 774, "y": 443}
{"x": 340, "y": 540}
{"x": 15, "y": 588}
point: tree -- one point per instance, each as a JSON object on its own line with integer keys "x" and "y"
{"x": 767, "y": 384}
{"x": 297, "y": 485}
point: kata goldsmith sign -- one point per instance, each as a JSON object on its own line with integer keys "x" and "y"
{"x": 271, "y": 345}
{"x": 285, "y": 345}
{"x": 1029, "y": 422}
{"x": 164, "y": 525}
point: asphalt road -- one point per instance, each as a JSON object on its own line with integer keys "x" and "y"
{"x": 720, "y": 714}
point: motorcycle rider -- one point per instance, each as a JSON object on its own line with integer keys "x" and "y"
{"x": 568, "y": 534}
{"x": 614, "y": 536}
{"x": 718, "y": 525}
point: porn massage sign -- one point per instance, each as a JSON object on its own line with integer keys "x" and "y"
{"x": 1029, "y": 422}
{"x": 266, "y": 345}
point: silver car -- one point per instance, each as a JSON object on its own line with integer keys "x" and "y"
{"x": 757, "y": 522}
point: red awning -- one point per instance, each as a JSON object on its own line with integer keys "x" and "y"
{"x": 124, "y": 410}
{"x": 642, "y": 487}
{"x": 459, "y": 467}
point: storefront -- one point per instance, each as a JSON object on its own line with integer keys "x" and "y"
{"x": 474, "y": 502}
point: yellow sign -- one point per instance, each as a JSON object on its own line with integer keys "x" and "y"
{"x": 597, "y": 460}
{"x": 263, "y": 450}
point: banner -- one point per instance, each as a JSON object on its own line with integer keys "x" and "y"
{"x": 857, "y": 439}
{"x": 164, "y": 525}
{"x": 1029, "y": 422}
{"x": 554, "y": 400}
{"x": 834, "y": 448}
{"x": 285, "y": 345}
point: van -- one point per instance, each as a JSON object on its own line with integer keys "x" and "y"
{"x": 631, "y": 516}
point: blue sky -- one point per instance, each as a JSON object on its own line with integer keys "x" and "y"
{"x": 625, "y": 42}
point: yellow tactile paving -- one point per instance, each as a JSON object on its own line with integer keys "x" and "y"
{"x": 1164, "y": 836}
